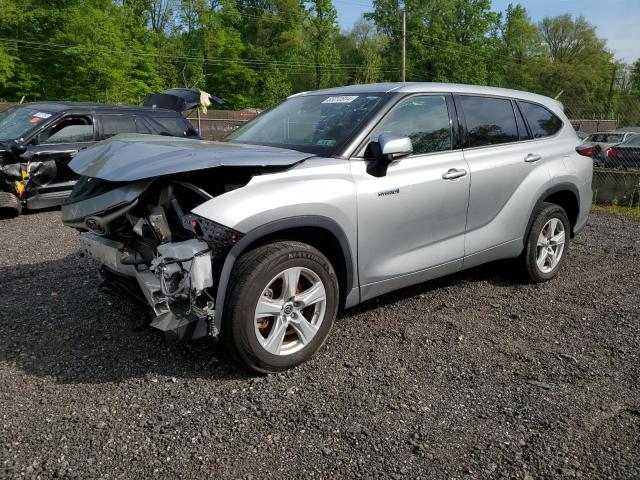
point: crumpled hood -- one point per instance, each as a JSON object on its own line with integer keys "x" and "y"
{"x": 126, "y": 158}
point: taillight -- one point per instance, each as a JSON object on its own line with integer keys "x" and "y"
{"x": 612, "y": 153}
{"x": 585, "y": 150}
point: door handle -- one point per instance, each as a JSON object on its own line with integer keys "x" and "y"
{"x": 532, "y": 158}
{"x": 453, "y": 173}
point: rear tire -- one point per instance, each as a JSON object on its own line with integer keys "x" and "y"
{"x": 283, "y": 299}
{"x": 10, "y": 205}
{"x": 547, "y": 243}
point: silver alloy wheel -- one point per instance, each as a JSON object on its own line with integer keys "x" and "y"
{"x": 550, "y": 246}
{"x": 290, "y": 311}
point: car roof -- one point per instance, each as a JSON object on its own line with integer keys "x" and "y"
{"x": 429, "y": 87}
{"x": 56, "y": 107}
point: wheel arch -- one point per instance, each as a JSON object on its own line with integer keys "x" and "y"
{"x": 565, "y": 195}
{"x": 320, "y": 232}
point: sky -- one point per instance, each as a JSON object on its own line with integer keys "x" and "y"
{"x": 616, "y": 20}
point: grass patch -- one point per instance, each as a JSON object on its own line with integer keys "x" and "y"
{"x": 617, "y": 210}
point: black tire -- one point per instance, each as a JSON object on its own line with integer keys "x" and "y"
{"x": 10, "y": 205}
{"x": 544, "y": 213}
{"x": 251, "y": 275}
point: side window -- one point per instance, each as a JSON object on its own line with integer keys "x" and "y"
{"x": 176, "y": 126}
{"x": 142, "y": 126}
{"x": 490, "y": 121}
{"x": 542, "y": 122}
{"x": 68, "y": 130}
{"x": 424, "y": 119}
{"x": 115, "y": 124}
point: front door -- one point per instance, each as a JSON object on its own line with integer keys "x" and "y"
{"x": 47, "y": 159}
{"x": 411, "y": 221}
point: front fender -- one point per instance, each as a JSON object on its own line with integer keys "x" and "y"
{"x": 322, "y": 187}
{"x": 317, "y": 193}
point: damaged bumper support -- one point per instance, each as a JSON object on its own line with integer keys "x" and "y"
{"x": 174, "y": 285}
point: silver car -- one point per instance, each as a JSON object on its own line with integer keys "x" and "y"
{"x": 327, "y": 200}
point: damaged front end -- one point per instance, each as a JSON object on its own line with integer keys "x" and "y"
{"x": 133, "y": 203}
{"x": 25, "y": 177}
{"x": 13, "y": 173}
{"x": 149, "y": 247}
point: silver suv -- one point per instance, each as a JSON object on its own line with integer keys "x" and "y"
{"x": 327, "y": 200}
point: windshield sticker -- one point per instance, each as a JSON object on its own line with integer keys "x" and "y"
{"x": 326, "y": 143}
{"x": 42, "y": 115}
{"x": 341, "y": 99}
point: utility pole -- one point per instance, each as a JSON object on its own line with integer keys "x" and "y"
{"x": 610, "y": 98}
{"x": 404, "y": 44}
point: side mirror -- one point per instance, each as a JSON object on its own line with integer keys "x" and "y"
{"x": 394, "y": 146}
{"x": 18, "y": 149}
{"x": 390, "y": 147}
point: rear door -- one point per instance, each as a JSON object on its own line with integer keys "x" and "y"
{"x": 411, "y": 221}
{"x": 115, "y": 123}
{"x": 506, "y": 167}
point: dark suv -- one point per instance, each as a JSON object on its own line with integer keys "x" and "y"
{"x": 37, "y": 141}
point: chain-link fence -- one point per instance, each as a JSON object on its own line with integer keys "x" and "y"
{"x": 613, "y": 130}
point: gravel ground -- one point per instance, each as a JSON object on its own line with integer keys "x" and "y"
{"x": 472, "y": 376}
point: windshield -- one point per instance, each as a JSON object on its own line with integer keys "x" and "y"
{"x": 16, "y": 123}
{"x": 318, "y": 124}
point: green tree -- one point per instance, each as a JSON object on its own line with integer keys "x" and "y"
{"x": 570, "y": 40}
{"x": 368, "y": 50}
{"x": 8, "y": 54}
{"x": 520, "y": 49}
{"x": 323, "y": 31}
{"x": 254, "y": 53}
{"x": 634, "y": 78}
{"x": 79, "y": 50}
{"x": 579, "y": 65}
{"x": 447, "y": 40}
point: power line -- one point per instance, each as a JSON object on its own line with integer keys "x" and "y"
{"x": 211, "y": 61}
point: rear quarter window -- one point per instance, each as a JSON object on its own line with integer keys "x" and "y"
{"x": 176, "y": 126}
{"x": 542, "y": 122}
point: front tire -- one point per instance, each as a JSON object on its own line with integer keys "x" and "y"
{"x": 547, "y": 243}
{"x": 10, "y": 205}
{"x": 282, "y": 303}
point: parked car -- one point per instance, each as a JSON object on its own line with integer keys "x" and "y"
{"x": 602, "y": 141}
{"x": 37, "y": 141}
{"x": 329, "y": 199}
{"x": 625, "y": 154}
{"x": 608, "y": 139}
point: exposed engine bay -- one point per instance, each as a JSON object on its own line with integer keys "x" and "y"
{"x": 133, "y": 203}
{"x": 151, "y": 246}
